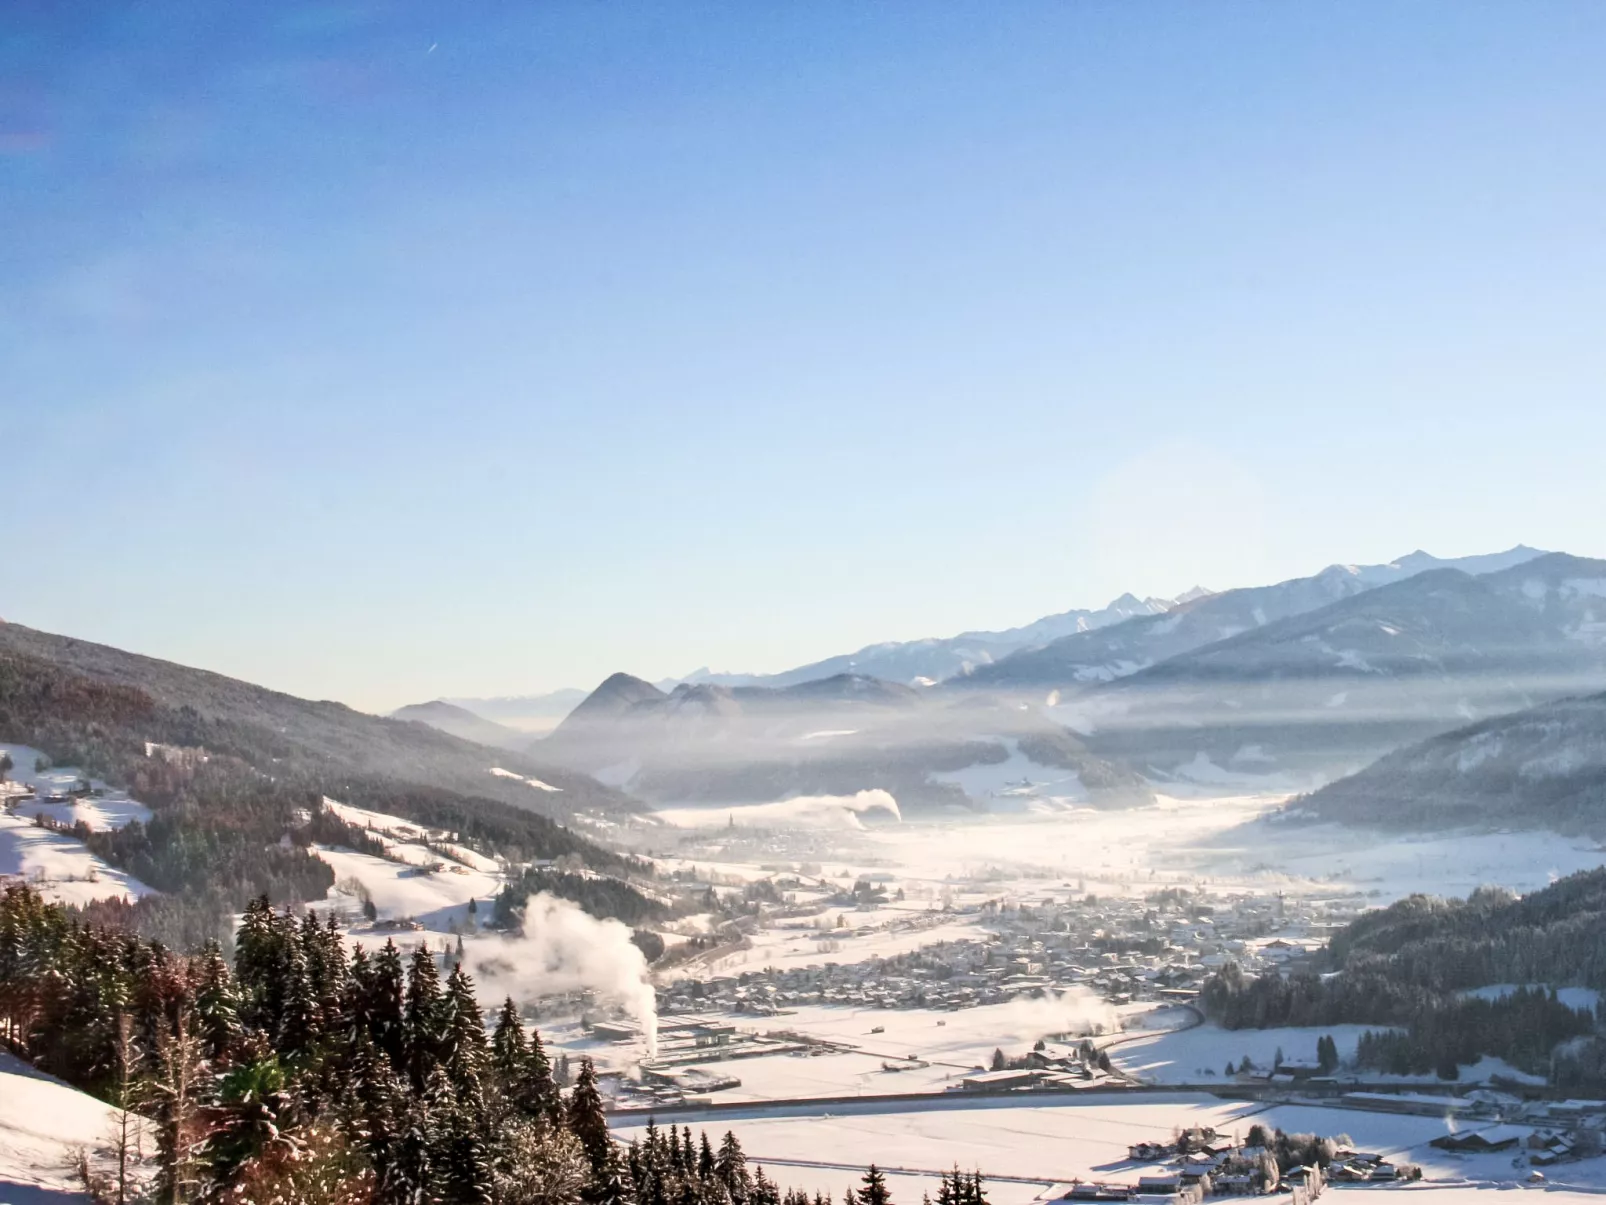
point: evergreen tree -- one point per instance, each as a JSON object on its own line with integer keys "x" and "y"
{"x": 730, "y": 1168}
{"x": 875, "y": 1188}
{"x": 460, "y": 1162}
{"x": 421, "y": 1022}
{"x": 462, "y": 1049}
{"x": 586, "y": 1119}
{"x": 385, "y": 1006}
{"x": 217, "y": 1005}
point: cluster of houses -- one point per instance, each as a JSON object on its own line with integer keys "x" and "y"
{"x": 1201, "y": 1163}
{"x": 1538, "y": 1133}
{"x": 1124, "y": 949}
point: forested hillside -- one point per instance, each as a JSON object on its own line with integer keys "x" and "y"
{"x": 225, "y": 792}
{"x": 1545, "y": 766}
{"x": 330, "y": 736}
{"x": 1412, "y": 964}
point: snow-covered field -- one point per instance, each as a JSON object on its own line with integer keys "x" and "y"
{"x": 43, "y": 1124}
{"x": 61, "y": 868}
{"x": 1085, "y": 1138}
{"x": 1193, "y": 1056}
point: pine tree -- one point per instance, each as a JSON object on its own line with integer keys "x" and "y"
{"x": 385, "y": 1006}
{"x": 614, "y": 1186}
{"x": 380, "y": 1110}
{"x": 875, "y": 1188}
{"x": 421, "y": 1021}
{"x": 462, "y": 1049}
{"x": 586, "y": 1119}
{"x": 509, "y": 1063}
{"x": 217, "y": 1005}
{"x": 460, "y": 1162}
{"x": 298, "y": 1019}
{"x": 410, "y": 1174}
{"x": 730, "y": 1167}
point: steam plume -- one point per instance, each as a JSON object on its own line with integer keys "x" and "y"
{"x": 563, "y": 949}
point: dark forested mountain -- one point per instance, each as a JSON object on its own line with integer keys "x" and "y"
{"x": 1327, "y": 691}
{"x": 831, "y": 736}
{"x": 1543, "y": 767}
{"x": 330, "y": 735}
{"x": 460, "y": 722}
{"x": 1072, "y": 662}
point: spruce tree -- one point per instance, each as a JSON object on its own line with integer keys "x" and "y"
{"x": 385, "y": 1006}
{"x": 460, "y": 1162}
{"x": 462, "y": 1041}
{"x": 422, "y": 1019}
{"x": 730, "y": 1168}
{"x": 875, "y": 1188}
{"x": 217, "y": 1005}
{"x": 587, "y": 1121}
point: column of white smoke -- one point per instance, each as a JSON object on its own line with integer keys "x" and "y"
{"x": 564, "y": 949}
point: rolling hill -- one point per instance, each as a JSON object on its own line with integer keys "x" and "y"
{"x": 460, "y": 722}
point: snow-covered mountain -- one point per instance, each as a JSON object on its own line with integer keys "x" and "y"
{"x": 1114, "y": 651}
{"x": 933, "y": 659}
{"x": 1326, "y": 691}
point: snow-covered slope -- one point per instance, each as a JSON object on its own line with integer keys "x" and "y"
{"x": 43, "y": 1125}
{"x": 58, "y": 865}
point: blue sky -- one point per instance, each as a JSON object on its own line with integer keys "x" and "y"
{"x": 380, "y": 352}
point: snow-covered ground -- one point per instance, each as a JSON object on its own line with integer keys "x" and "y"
{"x": 1018, "y": 784}
{"x": 1087, "y": 1138}
{"x": 43, "y": 1124}
{"x": 61, "y": 868}
{"x": 1193, "y": 1056}
{"x": 1572, "y": 997}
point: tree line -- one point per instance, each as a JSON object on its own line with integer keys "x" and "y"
{"x": 1409, "y": 967}
{"x": 307, "y": 1072}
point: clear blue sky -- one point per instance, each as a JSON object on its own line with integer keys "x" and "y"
{"x": 380, "y": 352}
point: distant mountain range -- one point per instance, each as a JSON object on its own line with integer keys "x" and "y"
{"x": 926, "y": 662}
{"x": 1056, "y": 650}
{"x": 1328, "y": 690}
{"x": 1117, "y": 650}
{"x": 1287, "y": 686}
{"x": 832, "y": 736}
